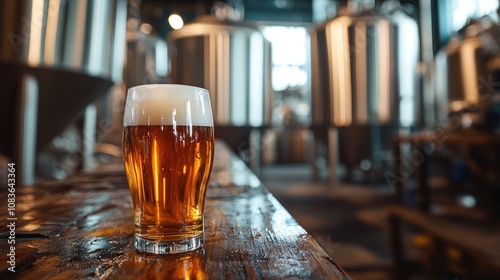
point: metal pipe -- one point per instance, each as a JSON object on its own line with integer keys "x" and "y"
{"x": 428, "y": 62}
{"x": 27, "y": 128}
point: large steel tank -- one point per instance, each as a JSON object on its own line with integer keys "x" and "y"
{"x": 56, "y": 57}
{"x": 233, "y": 61}
{"x": 365, "y": 82}
{"x": 467, "y": 78}
{"x": 83, "y": 36}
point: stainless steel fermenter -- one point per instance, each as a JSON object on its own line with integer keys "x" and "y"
{"x": 365, "y": 81}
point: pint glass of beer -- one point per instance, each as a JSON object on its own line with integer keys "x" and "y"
{"x": 168, "y": 149}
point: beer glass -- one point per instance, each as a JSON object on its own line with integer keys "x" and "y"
{"x": 168, "y": 149}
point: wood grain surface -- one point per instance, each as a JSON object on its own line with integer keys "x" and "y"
{"x": 82, "y": 228}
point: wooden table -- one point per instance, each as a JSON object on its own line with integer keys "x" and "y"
{"x": 82, "y": 228}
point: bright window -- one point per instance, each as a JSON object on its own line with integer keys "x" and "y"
{"x": 463, "y": 10}
{"x": 290, "y": 49}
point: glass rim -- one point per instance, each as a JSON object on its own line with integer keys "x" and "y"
{"x": 166, "y": 86}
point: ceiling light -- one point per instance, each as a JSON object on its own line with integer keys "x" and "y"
{"x": 175, "y": 21}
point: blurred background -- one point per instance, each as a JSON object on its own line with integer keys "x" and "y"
{"x": 375, "y": 123}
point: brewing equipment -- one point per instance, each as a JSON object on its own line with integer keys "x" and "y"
{"x": 146, "y": 62}
{"x": 56, "y": 58}
{"x": 468, "y": 78}
{"x": 365, "y": 83}
{"x": 231, "y": 59}
{"x": 146, "y": 59}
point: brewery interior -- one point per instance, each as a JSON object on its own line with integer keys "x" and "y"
{"x": 375, "y": 123}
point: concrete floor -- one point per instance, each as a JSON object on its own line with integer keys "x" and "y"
{"x": 348, "y": 220}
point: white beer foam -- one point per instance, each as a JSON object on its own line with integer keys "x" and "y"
{"x": 167, "y": 104}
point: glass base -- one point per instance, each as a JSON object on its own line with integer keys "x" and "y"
{"x": 168, "y": 247}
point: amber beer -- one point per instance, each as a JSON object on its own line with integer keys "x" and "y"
{"x": 168, "y": 143}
